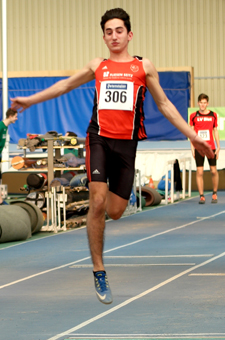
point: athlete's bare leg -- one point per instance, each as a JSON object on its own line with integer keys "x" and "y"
{"x": 215, "y": 178}
{"x": 101, "y": 201}
{"x": 199, "y": 180}
{"x": 96, "y": 222}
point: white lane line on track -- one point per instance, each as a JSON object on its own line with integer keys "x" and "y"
{"x": 125, "y": 303}
{"x": 42, "y": 273}
{"x": 146, "y": 336}
{"x": 133, "y": 265}
{"x": 74, "y": 230}
{"x": 207, "y": 274}
{"x": 155, "y": 256}
{"x": 112, "y": 249}
{"x": 164, "y": 232}
{"x": 39, "y": 239}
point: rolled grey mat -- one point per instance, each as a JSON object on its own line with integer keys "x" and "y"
{"x": 34, "y": 213}
{"x": 152, "y": 197}
{"x": 15, "y": 224}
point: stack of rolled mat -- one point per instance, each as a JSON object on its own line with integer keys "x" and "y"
{"x": 151, "y": 196}
{"x": 19, "y": 220}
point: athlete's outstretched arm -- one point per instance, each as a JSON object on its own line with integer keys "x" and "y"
{"x": 170, "y": 112}
{"x": 61, "y": 87}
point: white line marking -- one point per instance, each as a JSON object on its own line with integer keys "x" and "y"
{"x": 38, "y": 239}
{"x": 107, "y": 251}
{"x": 156, "y": 256}
{"x": 134, "y": 265}
{"x": 164, "y": 232}
{"x": 125, "y": 303}
{"x": 44, "y": 272}
{"x": 148, "y": 336}
{"x": 154, "y": 336}
{"x": 77, "y": 229}
{"x": 207, "y": 274}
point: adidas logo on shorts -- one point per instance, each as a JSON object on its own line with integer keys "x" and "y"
{"x": 96, "y": 172}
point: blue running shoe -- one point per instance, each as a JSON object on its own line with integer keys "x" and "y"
{"x": 102, "y": 288}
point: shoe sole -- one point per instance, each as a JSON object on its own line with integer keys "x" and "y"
{"x": 201, "y": 202}
{"x": 214, "y": 201}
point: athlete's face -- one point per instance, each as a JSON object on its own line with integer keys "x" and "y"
{"x": 116, "y": 36}
{"x": 202, "y": 104}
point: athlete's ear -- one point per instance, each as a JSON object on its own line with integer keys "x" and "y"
{"x": 130, "y": 36}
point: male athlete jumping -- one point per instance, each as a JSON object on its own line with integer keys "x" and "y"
{"x": 116, "y": 125}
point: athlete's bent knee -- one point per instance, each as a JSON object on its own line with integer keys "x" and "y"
{"x": 115, "y": 215}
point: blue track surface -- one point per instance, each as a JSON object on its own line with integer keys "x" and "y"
{"x": 166, "y": 268}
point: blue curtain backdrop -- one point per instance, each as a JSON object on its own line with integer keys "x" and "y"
{"x": 72, "y": 111}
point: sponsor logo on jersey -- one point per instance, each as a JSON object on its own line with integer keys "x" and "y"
{"x": 204, "y": 119}
{"x": 116, "y": 75}
{"x": 105, "y": 68}
{"x": 116, "y": 86}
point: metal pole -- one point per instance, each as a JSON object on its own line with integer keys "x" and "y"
{"x": 5, "y": 152}
{"x": 189, "y": 178}
{"x": 166, "y": 183}
{"x": 172, "y": 183}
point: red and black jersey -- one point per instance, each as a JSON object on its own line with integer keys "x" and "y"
{"x": 204, "y": 125}
{"x": 118, "y": 104}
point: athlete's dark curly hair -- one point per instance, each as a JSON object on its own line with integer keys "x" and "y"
{"x": 117, "y": 13}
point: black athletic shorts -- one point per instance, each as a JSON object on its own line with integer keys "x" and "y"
{"x": 111, "y": 161}
{"x": 200, "y": 159}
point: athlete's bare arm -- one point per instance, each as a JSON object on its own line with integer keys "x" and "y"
{"x": 170, "y": 112}
{"x": 192, "y": 146}
{"x": 217, "y": 139}
{"x": 61, "y": 87}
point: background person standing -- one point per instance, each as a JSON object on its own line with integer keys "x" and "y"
{"x": 11, "y": 117}
{"x": 204, "y": 122}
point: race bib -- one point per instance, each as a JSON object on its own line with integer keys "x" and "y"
{"x": 116, "y": 95}
{"x": 204, "y": 134}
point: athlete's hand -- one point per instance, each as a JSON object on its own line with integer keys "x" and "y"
{"x": 20, "y": 103}
{"x": 203, "y": 148}
{"x": 217, "y": 153}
